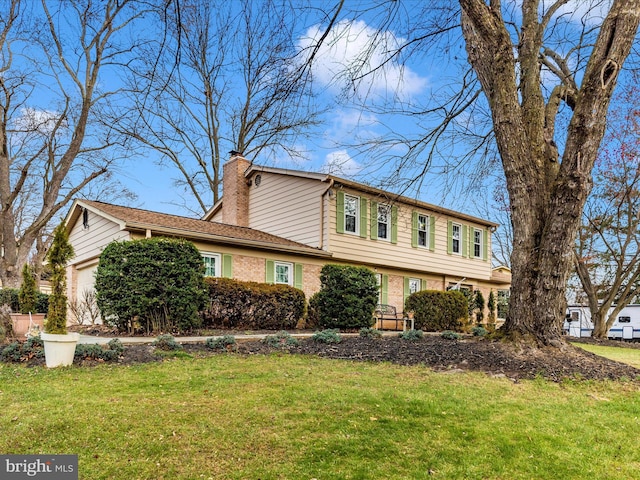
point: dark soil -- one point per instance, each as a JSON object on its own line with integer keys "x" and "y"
{"x": 478, "y": 354}
{"x": 496, "y": 358}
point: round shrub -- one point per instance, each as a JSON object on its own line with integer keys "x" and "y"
{"x": 154, "y": 285}
{"x": 347, "y": 297}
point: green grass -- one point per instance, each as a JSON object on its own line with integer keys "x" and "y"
{"x": 630, "y": 356}
{"x": 297, "y": 417}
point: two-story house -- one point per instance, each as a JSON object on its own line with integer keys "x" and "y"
{"x": 281, "y": 226}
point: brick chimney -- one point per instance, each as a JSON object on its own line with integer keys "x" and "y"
{"x": 235, "y": 191}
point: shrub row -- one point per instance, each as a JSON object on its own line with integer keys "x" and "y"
{"x": 11, "y": 297}
{"x": 435, "y": 311}
{"x": 251, "y": 305}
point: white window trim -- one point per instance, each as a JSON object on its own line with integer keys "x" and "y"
{"x": 387, "y": 223}
{"x": 417, "y": 281}
{"x": 218, "y": 263}
{"x": 453, "y": 228}
{"x": 357, "y": 214}
{"x": 290, "y": 271}
{"x": 426, "y": 231}
{"x": 480, "y": 236}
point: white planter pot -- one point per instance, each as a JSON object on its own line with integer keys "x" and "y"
{"x": 59, "y": 349}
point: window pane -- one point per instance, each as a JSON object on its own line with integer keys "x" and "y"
{"x": 209, "y": 266}
{"x": 422, "y": 230}
{"x": 383, "y": 221}
{"x": 455, "y": 239}
{"x": 350, "y": 213}
{"x": 477, "y": 243}
{"x": 282, "y": 273}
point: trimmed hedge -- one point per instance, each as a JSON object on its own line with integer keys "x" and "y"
{"x": 347, "y": 298}
{"x": 251, "y": 305}
{"x": 154, "y": 285}
{"x": 436, "y": 311}
{"x": 10, "y": 296}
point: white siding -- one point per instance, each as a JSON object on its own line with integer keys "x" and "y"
{"x": 402, "y": 255}
{"x": 290, "y": 207}
{"x": 89, "y": 242}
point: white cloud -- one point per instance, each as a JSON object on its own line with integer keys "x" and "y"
{"x": 34, "y": 120}
{"x": 339, "y": 163}
{"x": 353, "y": 48}
{"x": 588, "y": 11}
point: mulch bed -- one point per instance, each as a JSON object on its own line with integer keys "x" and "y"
{"x": 476, "y": 354}
{"x": 496, "y": 358}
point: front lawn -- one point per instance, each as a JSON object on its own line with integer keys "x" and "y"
{"x": 630, "y": 356}
{"x": 302, "y": 417}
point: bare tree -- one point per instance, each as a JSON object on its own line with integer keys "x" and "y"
{"x": 53, "y": 142}
{"x": 547, "y": 74}
{"x": 239, "y": 83}
{"x": 607, "y": 252}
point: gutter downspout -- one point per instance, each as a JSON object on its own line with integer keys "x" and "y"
{"x": 322, "y": 197}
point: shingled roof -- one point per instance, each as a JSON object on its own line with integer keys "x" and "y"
{"x": 138, "y": 220}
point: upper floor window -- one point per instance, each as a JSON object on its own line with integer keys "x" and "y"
{"x": 212, "y": 264}
{"x": 456, "y": 235}
{"x": 423, "y": 231}
{"x": 477, "y": 243}
{"x": 351, "y": 213}
{"x": 384, "y": 222}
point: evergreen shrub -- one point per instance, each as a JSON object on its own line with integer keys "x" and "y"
{"x": 347, "y": 298}
{"x": 153, "y": 285}
{"x": 251, "y": 305}
{"x": 435, "y": 310}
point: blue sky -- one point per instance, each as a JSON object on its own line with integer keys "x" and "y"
{"x": 416, "y": 82}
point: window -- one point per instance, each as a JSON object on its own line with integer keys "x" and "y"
{"x": 455, "y": 238}
{"x": 384, "y": 222}
{"x": 503, "y": 303}
{"x": 351, "y": 213}
{"x": 283, "y": 273}
{"x": 624, "y": 319}
{"x": 414, "y": 285}
{"x": 423, "y": 231}
{"x": 477, "y": 243}
{"x": 212, "y": 264}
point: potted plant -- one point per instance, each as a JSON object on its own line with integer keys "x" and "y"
{"x": 59, "y": 346}
{"x": 27, "y": 320}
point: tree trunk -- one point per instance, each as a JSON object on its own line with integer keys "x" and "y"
{"x": 546, "y": 197}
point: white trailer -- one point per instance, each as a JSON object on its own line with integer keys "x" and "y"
{"x": 626, "y": 326}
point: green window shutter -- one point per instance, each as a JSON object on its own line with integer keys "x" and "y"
{"x": 423, "y": 284}
{"x": 465, "y": 241}
{"x": 363, "y": 217}
{"x": 384, "y": 289}
{"x": 227, "y": 266}
{"x": 449, "y": 237}
{"x": 432, "y": 233}
{"x": 414, "y": 229}
{"x": 406, "y": 289}
{"x": 485, "y": 245}
{"x": 297, "y": 276}
{"x": 340, "y": 211}
{"x": 394, "y": 224}
{"x": 374, "y": 220}
{"x": 270, "y": 269}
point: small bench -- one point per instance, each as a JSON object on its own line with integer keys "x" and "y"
{"x": 387, "y": 318}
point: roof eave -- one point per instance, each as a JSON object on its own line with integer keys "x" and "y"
{"x": 232, "y": 241}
